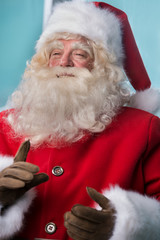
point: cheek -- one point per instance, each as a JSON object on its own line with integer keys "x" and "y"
{"x": 83, "y": 64}
{"x": 53, "y": 62}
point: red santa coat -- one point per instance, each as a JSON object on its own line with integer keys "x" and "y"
{"x": 127, "y": 154}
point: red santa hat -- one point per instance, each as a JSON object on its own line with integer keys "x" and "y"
{"x": 108, "y": 25}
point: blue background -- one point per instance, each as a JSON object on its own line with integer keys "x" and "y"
{"x": 21, "y": 26}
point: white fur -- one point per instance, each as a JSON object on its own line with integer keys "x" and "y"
{"x": 101, "y": 26}
{"x": 63, "y": 109}
{"x": 137, "y": 217}
{"x": 5, "y": 161}
{"x": 87, "y": 20}
{"x": 12, "y": 221}
{"x": 147, "y": 100}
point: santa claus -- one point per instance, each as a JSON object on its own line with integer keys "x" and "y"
{"x": 77, "y": 160}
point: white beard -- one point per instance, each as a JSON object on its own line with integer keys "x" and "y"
{"x": 53, "y": 108}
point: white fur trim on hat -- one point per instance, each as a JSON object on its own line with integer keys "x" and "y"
{"x": 99, "y": 25}
{"x": 137, "y": 217}
{"x": 147, "y": 100}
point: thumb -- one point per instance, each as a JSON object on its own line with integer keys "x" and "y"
{"x": 98, "y": 198}
{"x": 22, "y": 152}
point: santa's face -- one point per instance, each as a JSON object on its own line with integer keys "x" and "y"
{"x": 68, "y": 97}
{"x": 71, "y": 53}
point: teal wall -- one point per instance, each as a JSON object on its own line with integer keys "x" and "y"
{"x": 21, "y": 25}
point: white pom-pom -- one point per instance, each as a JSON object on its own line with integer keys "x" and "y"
{"x": 147, "y": 100}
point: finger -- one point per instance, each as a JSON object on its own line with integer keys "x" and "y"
{"x": 88, "y": 213}
{"x": 74, "y": 236}
{"x": 23, "y": 150}
{"x": 78, "y": 233}
{"x": 10, "y": 183}
{"x": 99, "y": 198}
{"x": 38, "y": 179}
{"x": 80, "y": 223}
{"x": 18, "y": 174}
{"x": 26, "y": 166}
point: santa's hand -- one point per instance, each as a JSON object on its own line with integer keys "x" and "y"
{"x": 19, "y": 177}
{"x": 85, "y": 223}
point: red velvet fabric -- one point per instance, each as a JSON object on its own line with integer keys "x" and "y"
{"x": 127, "y": 153}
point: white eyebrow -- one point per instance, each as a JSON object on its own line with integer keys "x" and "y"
{"x": 57, "y": 44}
{"x": 84, "y": 46}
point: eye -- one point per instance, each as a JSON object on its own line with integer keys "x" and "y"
{"x": 80, "y": 54}
{"x": 55, "y": 53}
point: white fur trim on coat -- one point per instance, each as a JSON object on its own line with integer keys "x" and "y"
{"x": 12, "y": 220}
{"x": 78, "y": 17}
{"x": 147, "y": 100}
{"x": 137, "y": 217}
{"x": 5, "y": 161}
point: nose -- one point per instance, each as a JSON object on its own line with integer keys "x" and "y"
{"x": 66, "y": 61}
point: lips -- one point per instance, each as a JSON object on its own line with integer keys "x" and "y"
{"x": 64, "y": 75}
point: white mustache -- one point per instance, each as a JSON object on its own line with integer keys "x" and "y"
{"x": 61, "y": 72}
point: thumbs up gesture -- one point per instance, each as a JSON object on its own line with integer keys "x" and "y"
{"x": 19, "y": 177}
{"x": 88, "y": 223}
